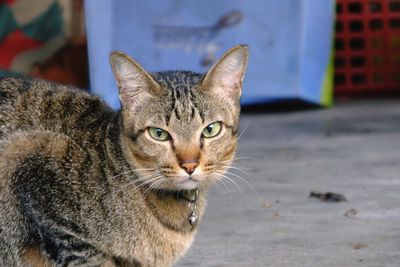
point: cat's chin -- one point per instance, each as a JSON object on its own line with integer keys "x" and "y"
{"x": 187, "y": 184}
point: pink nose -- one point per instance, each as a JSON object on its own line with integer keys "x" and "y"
{"x": 189, "y": 166}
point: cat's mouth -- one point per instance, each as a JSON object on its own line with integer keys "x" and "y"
{"x": 180, "y": 180}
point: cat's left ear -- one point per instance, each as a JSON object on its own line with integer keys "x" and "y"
{"x": 226, "y": 76}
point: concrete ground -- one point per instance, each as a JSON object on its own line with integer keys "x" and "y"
{"x": 352, "y": 149}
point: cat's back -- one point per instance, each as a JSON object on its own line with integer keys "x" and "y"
{"x": 31, "y": 104}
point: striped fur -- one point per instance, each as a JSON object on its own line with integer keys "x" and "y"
{"x": 84, "y": 185}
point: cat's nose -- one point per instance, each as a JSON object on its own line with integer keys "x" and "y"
{"x": 189, "y": 166}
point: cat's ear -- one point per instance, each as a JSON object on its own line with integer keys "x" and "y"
{"x": 226, "y": 75}
{"x": 134, "y": 83}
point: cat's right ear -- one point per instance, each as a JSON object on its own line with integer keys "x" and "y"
{"x": 134, "y": 83}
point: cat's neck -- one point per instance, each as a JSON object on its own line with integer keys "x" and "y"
{"x": 173, "y": 208}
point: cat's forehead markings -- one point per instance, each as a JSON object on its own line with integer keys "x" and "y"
{"x": 182, "y": 96}
{"x": 157, "y": 120}
{"x": 177, "y": 79}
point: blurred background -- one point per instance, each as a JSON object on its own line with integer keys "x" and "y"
{"x": 306, "y": 52}
{"x": 44, "y": 39}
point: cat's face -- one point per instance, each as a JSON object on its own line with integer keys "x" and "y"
{"x": 181, "y": 126}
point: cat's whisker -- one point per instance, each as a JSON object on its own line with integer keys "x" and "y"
{"x": 229, "y": 184}
{"x": 158, "y": 184}
{"x": 236, "y": 159}
{"x": 231, "y": 165}
{"x": 224, "y": 184}
{"x": 234, "y": 165}
{"x": 145, "y": 180}
{"x": 242, "y": 133}
{"x": 132, "y": 171}
{"x": 231, "y": 181}
{"x": 145, "y": 177}
{"x": 243, "y": 180}
{"x": 149, "y": 180}
{"x": 241, "y": 167}
{"x": 238, "y": 168}
{"x": 222, "y": 175}
{"x": 139, "y": 187}
{"x": 113, "y": 178}
{"x": 242, "y": 158}
{"x": 230, "y": 161}
{"x": 160, "y": 180}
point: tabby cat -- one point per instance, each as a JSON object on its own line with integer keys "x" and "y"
{"x": 84, "y": 185}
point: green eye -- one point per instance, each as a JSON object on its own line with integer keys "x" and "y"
{"x": 212, "y": 130}
{"x": 159, "y": 134}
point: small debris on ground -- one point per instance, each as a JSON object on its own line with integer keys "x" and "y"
{"x": 328, "y": 196}
{"x": 275, "y": 215}
{"x": 267, "y": 205}
{"x": 359, "y": 245}
{"x": 350, "y": 213}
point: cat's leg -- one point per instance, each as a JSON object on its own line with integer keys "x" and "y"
{"x": 109, "y": 263}
{"x": 124, "y": 263}
{"x": 32, "y": 257}
{"x": 37, "y": 205}
{"x": 13, "y": 232}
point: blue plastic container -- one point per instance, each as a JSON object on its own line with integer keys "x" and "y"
{"x": 290, "y": 42}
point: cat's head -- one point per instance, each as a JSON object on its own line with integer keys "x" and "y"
{"x": 181, "y": 127}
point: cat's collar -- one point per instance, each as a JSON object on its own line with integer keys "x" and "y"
{"x": 191, "y": 196}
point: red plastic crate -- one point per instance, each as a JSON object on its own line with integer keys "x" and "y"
{"x": 367, "y": 46}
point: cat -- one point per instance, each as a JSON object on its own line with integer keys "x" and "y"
{"x": 84, "y": 185}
